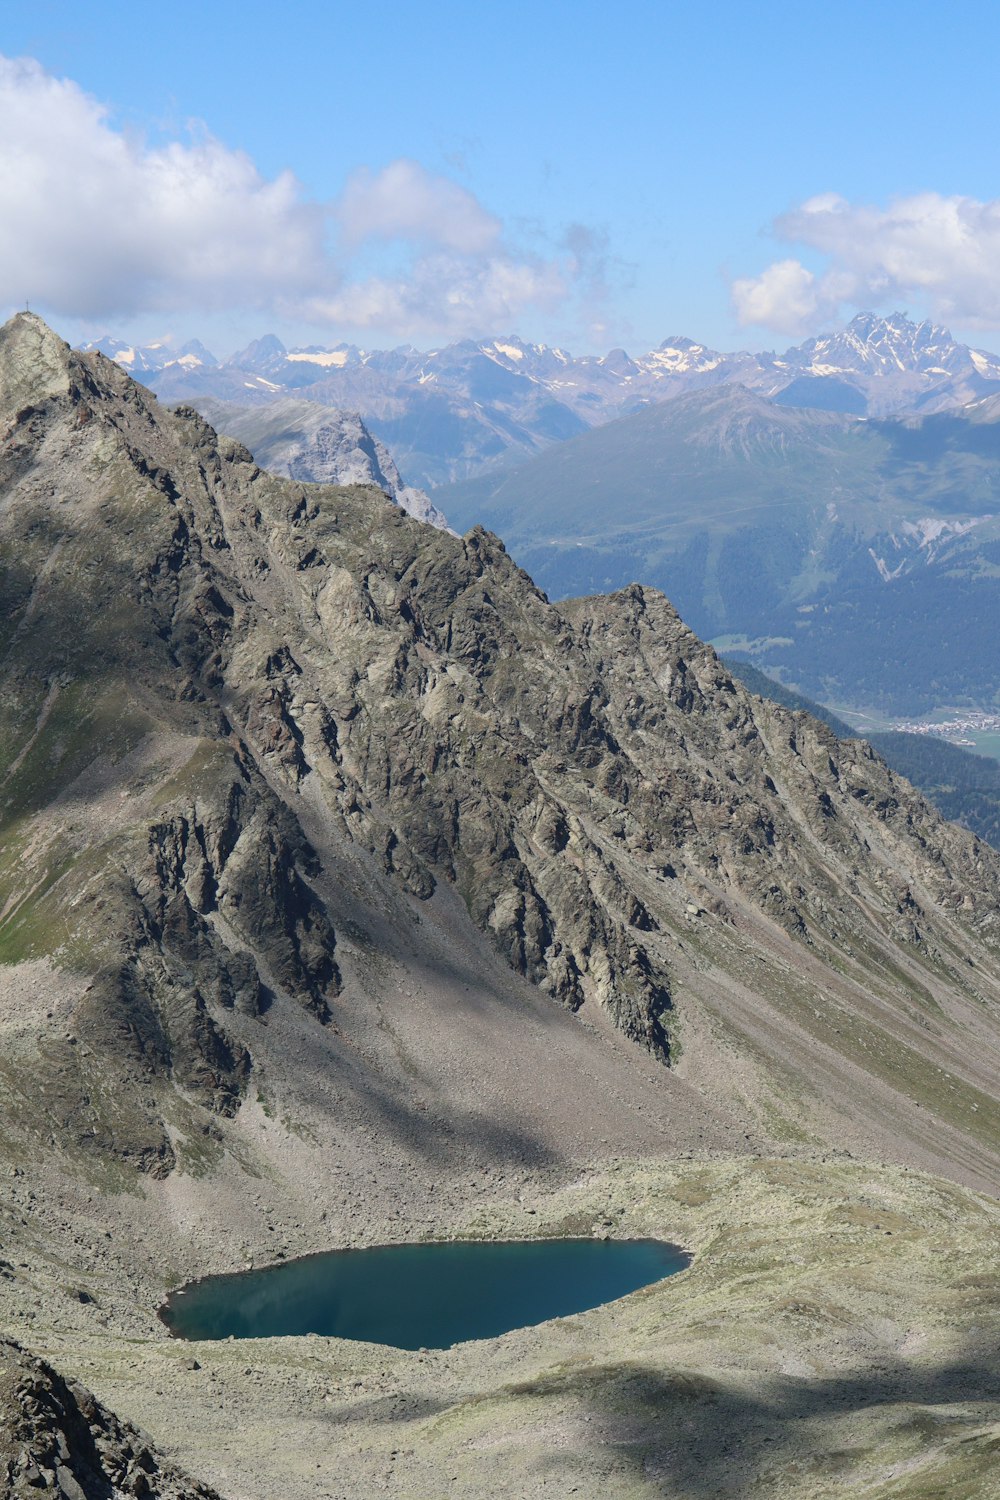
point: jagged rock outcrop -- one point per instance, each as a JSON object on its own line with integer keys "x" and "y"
{"x": 56, "y": 1437}
{"x": 231, "y": 695}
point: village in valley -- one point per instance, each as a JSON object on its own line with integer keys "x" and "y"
{"x": 959, "y": 729}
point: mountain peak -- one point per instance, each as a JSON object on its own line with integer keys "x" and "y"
{"x": 619, "y": 363}
{"x": 871, "y": 326}
{"x": 196, "y": 349}
{"x": 259, "y": 354}
{"x": 34, "y": 364}
{"x": 908, "y": 361}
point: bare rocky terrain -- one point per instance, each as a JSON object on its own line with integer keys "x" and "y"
{"x": 350, "y": 891}
{"x": 55, "y": 1436}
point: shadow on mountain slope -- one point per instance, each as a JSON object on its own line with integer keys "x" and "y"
{"x": 692, "y": 1435}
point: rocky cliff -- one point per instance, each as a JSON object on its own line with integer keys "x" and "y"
{"x": 303, "y": 440}
{"x": 55, "y": 1436}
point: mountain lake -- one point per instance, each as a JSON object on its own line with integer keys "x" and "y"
{"x": 426, "y": 1296}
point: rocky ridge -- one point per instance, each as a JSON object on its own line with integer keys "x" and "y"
{"x": 55, "y": 1436}
{"x": 281, "y": 680}
{"x": 302, "y": 440}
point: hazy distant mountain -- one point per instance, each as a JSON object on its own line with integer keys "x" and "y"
{"x": 305, "y": 441}
{"x": 855, "y": 557}
{"x": 261, "y": 355}
{"x": 455, "y": 412}
{"x": 147, "y": 359}
{"x": 883, "y": 365}
{"x": 443, "y": 415}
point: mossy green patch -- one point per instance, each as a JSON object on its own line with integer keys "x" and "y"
{"x": 89, "y": 718}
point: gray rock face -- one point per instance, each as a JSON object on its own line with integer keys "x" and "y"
{"x": 55, "y": 1436}
{"x": 231, "y": 698}
{"x": 304, "y": 441}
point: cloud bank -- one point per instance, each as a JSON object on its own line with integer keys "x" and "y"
{"x": 461, "y": 276}
{"x": 95, "y": 223}
{"x": 940, "y": 252}
{"x": 404, "y": 201}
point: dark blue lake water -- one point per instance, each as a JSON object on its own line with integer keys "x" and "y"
{"x": 420, "y": 1296}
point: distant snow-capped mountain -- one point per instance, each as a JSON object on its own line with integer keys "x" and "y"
{"x": 880, "y": 366}
{"x": 448, "y": 414}
{"x": 147, "y": 358}
{"x": 886, "y": 346}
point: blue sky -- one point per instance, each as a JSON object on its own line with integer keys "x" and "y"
{"x": 741, "y": 173}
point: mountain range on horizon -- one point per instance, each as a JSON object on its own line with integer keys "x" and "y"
{"x": 451, "y": 413}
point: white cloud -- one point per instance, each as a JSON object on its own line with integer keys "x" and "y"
{"x": 450, "y": 295}
{"x": 460, "y": 278}
{"x": 405, "y": 201}
{"x": 941, "y": 252}
{"x": 785, "y": 297}
{"x": 96, "y": 223}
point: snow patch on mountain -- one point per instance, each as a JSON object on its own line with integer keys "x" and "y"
{"x": 330, "y": 359}
{"x": 930, "y": 530}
